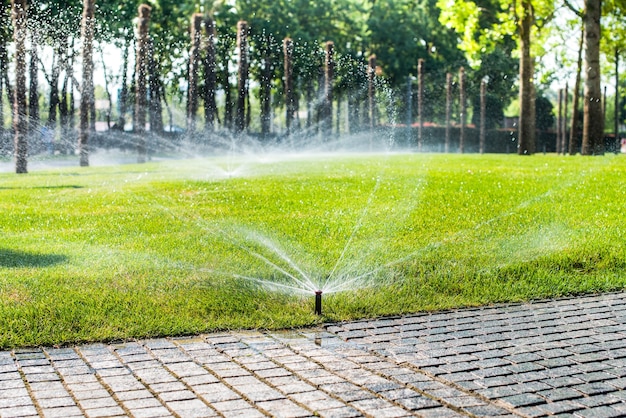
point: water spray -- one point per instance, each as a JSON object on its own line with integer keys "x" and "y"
{"x": 318, "y": 302}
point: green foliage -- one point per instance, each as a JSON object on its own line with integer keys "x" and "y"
{"x": 6, "y": 30}
{"x": 613, "y": 30}
{"x": 114, "y": 20}
{"x": 483, "y": 26}
{"x": 55, "y": 21}
{"x": 487, "y": 37}
{"x": 161, "y": 249}
{"x": 403, "y": 31}
{"x": 500, "y": 70}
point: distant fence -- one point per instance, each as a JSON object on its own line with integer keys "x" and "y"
{"x": 499, "y": 141}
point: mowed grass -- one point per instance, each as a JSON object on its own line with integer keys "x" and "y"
{"x": 183, "y": 247}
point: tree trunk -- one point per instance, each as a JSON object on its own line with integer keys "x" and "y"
{"x": 123, "y": 98}
{"x": 107, "y": 88}
{"x": 463, "y": 110}
{"x": 141, "y": 83}
{"x": 593, "y": 120}
{"x": 558, "y": 122}
{"x": 616, "y": 112}
{"x": 210, "y": 107}
{"x": 242, "y": 76}
{"x": 564, "y": 121}
{"x": 68, "y": 128}
{"x": 224, "y": 50}
{"x": 228, "y": 101}
{"x": 266, "y": 74}
{"x": 409, "y": 108}
{"x": 354, "y": 114}
{"x": 64, "y": 105}
{"x": 20, "y": 119}
{"x": 320, "y": 103}
{"x": 4, "y": 65}
{"x": 329, "y": 66}
{"x": 86, "y": 97}
{"x": 53, "y": 102}
{"x": 573, "y": 134}
{"x": 155, "y": 109}
{"x": 194, "y": 70}
{"x": 33, "y": 99}
{"x": 133, "y": 90}
{"x": 483, "y": 115}
{"x": 338, "y": 113}
{"x": 288, "y": 67}
{"x": 448, "y": 111}
{"x": 63, "y": 99}
{"x": 248, "y": 109}
{"x": 526, "y": 125}
{"x": 420, "y": 104}
{"x": 2, "y": 72}
{"x": 371, "y": 91}
{"x": 309, "y": 93}
{"x": 296, "y": 106}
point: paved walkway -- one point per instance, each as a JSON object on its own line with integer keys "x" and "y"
{"x": 564, "y": 357}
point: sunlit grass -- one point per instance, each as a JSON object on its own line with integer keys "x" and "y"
{"x": 185, "y": 247}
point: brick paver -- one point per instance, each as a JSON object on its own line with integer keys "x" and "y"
{"x": 562, "y": 357}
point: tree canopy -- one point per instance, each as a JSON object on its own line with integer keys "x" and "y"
{"x": 498, "y": 42}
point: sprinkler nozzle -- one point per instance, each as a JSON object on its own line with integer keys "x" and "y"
{"x": 318, "y": 302}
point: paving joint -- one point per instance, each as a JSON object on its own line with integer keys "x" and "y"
{"x": 146, "y": 385}
{"x": 215, "y": 375}
{"x": 265, "y": 379}
{"x": 495, "y": 403}
{"x": 63, "y": 382}
{"x": 26, "y": 383}
{"x": 332, "y": 395}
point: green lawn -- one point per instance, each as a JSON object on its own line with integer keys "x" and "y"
{"x": 183, "y": 247}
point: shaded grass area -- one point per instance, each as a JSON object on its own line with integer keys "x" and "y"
{"x": 184, "y": 247}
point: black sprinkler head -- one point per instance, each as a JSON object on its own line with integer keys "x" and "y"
{"x": 318, "y": 302}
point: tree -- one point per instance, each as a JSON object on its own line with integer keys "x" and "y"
{"x": 527, "y": 128}
{"x": 169, "y": 32}
{"x": 33, "y": 93}
{"x": 86, "y": 96}
{"x": 613, "y": 46}
{"x": 54, "y": 23}
{"x": 593, "y": 118}
{"x": 5, "y": 36}
{"x": 114, "y": 24}
{"x": 327, "y": 101}
{"x": 19, "y": 16}
{"x": 486, "y": 23}
{"x": 141, "y": 71}
{"x": 593, "y": 114}
{"x": 210, "y": 106}
{"x": 289, "y": 88}
{"x": 194, "y": 72}
{"x": 574, "y": 122}
{"x": 403, "y": 31}
{"x": 499, "y": 69}
{"x": 242, "y": 75}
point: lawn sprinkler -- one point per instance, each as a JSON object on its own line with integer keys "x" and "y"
{"x": 318, "y": 302}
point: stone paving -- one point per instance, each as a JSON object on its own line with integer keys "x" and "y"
{"x": 553, "y": 358}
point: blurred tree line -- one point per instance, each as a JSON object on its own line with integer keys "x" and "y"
{"x": 492, "y": 39}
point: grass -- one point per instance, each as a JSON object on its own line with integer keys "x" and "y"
{"x": 174, "y": 248}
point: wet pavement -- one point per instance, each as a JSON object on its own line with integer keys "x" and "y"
{"x": 552, "y": 358}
